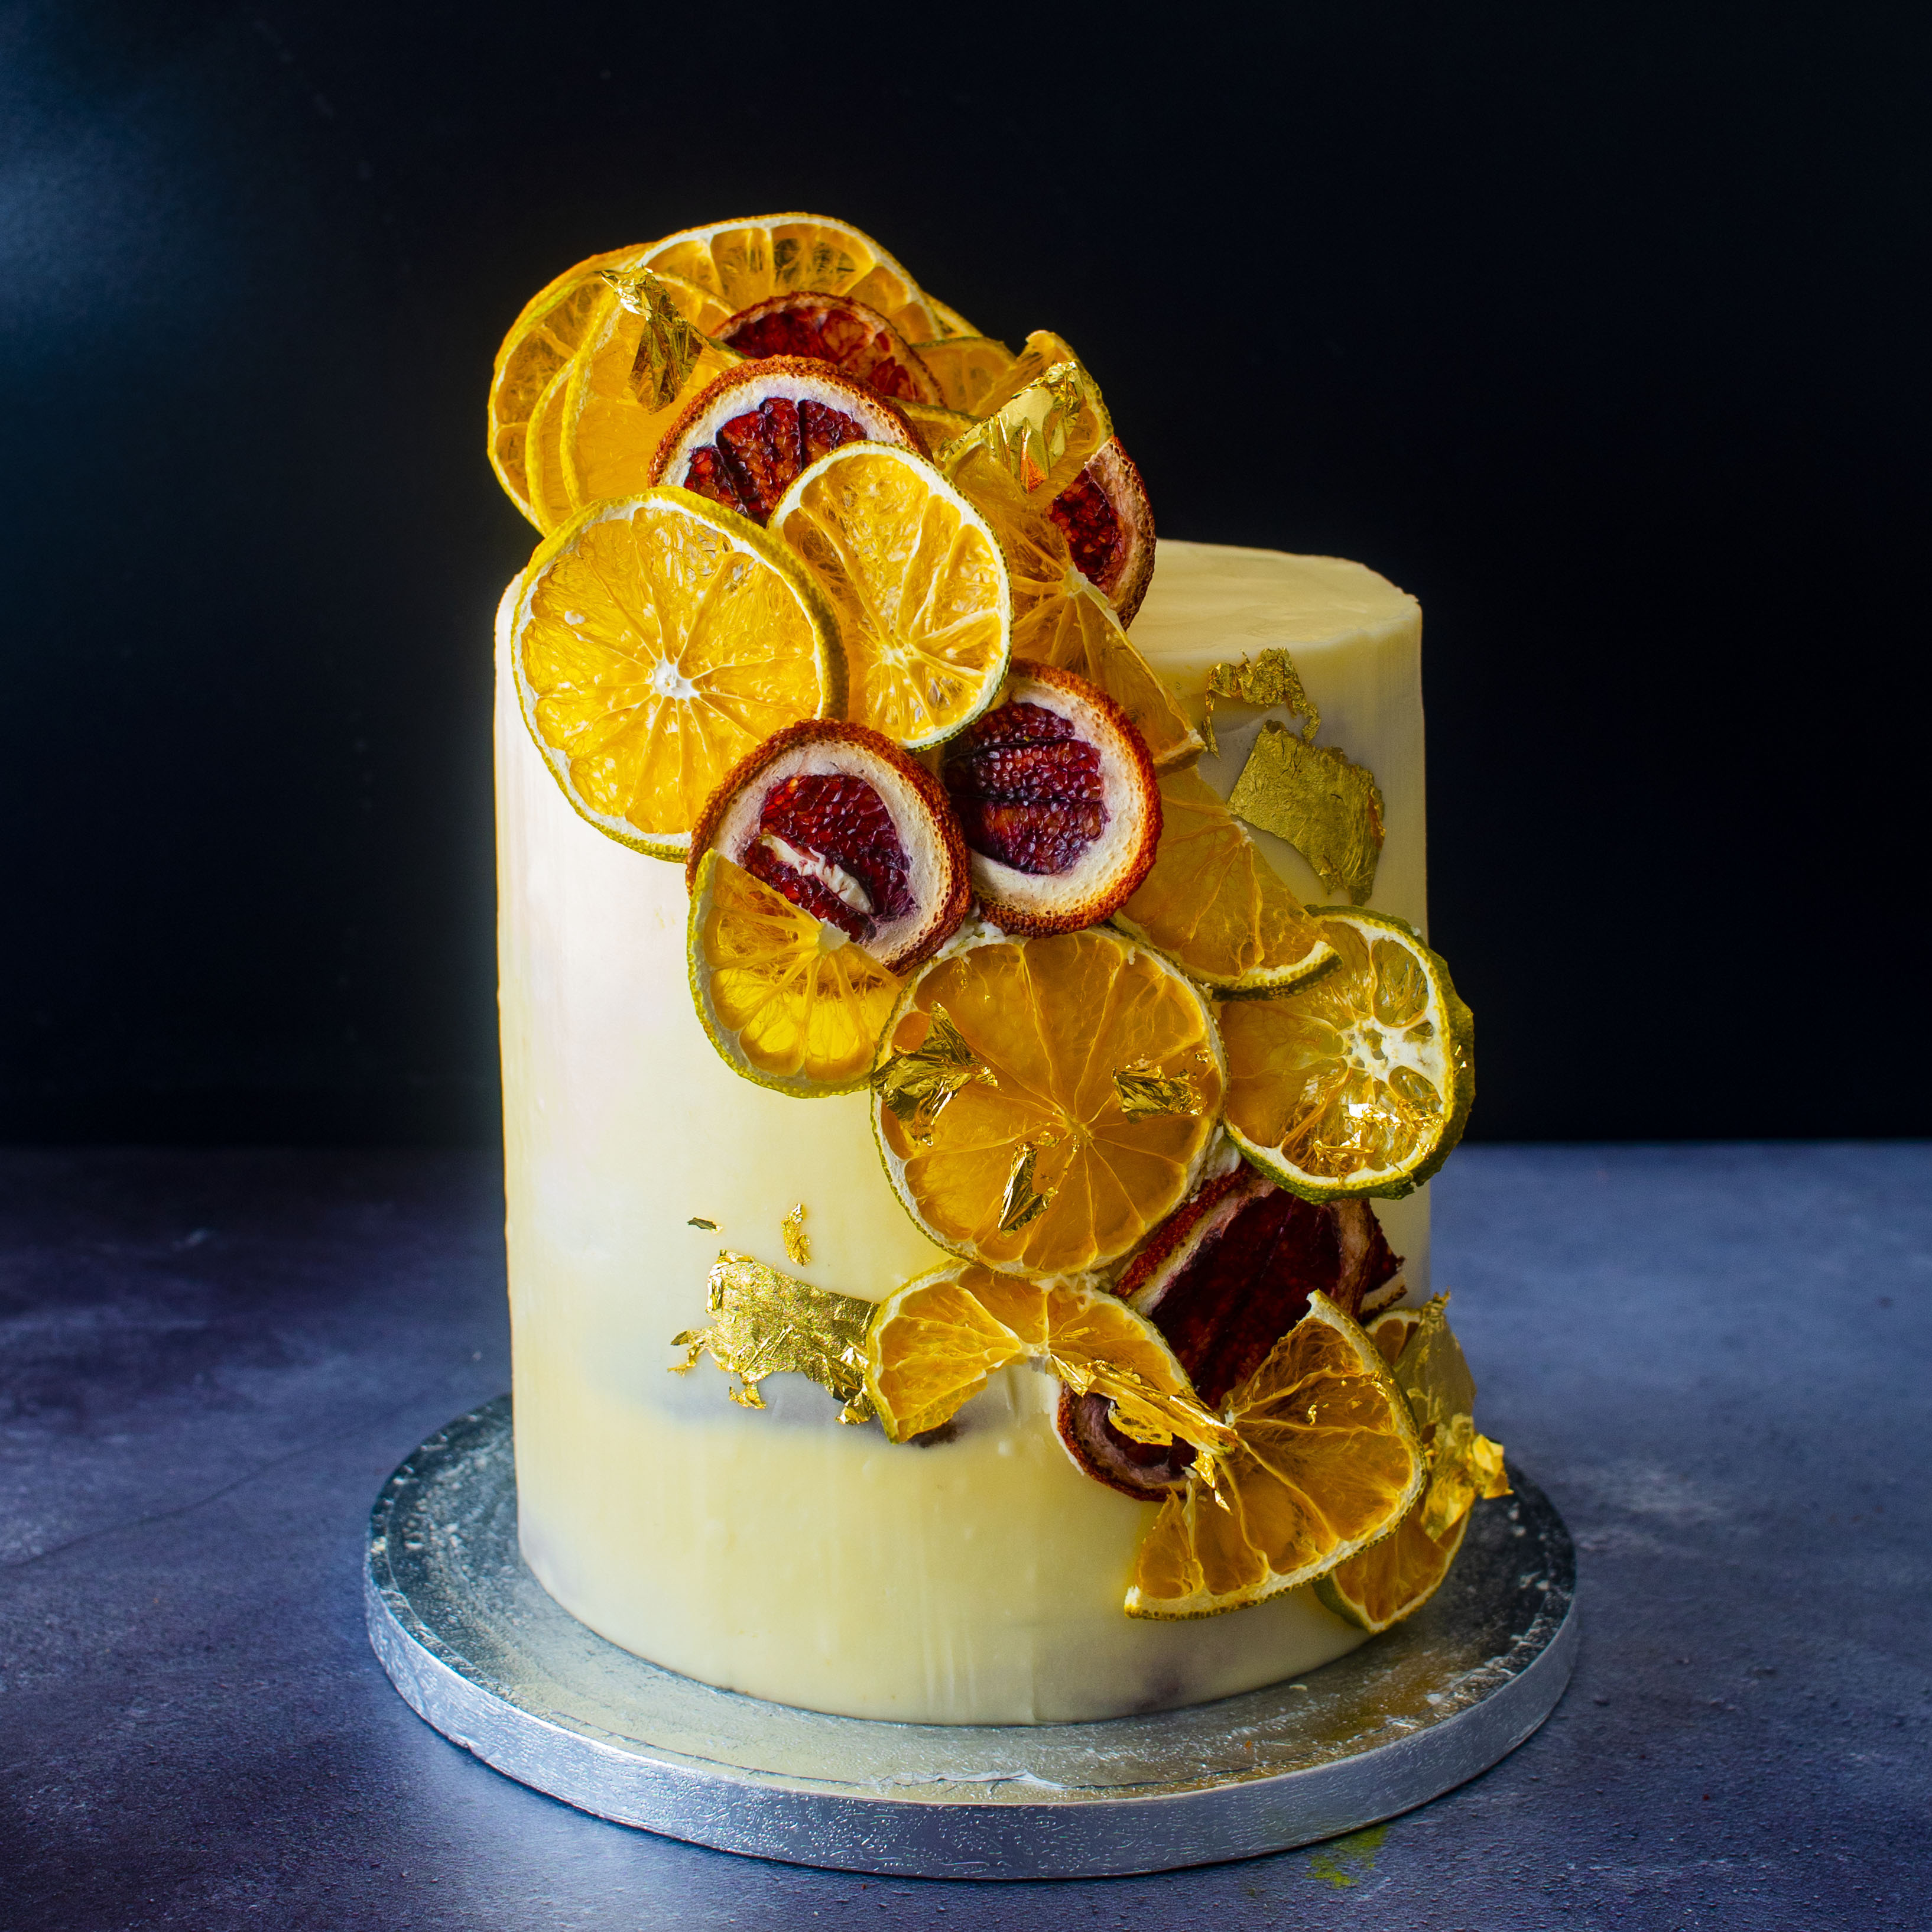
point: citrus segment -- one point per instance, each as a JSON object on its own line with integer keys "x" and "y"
{"x": 656, "y": 640}
{"x": 968, "y": 369}
{"x": 787, "y": 1000}
{"x": 933, "y": 1344}
{"x": 1327, "y": 1461}
{"x": 1034, "y": 1160}
{"x": 1360, "y": 1082}
{"x": 917, "y": 582}
{"x": 854, "y": 339}
{"x": 1214, "y": 905}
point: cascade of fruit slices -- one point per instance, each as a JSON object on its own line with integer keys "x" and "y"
{"x": 831, "y": 607}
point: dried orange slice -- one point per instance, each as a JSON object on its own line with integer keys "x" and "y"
{"x": 745, "y": 261}
{"x": 547, "y": 488}
{"x": 1041, "y": 1104}
{"x": 854, "y": 339}
{"x": 918, "y": 584}
{"x": 1394, "y": 1578}
{"x": 656, "y": 640}
{"x": 1108, "y": 522}
{"x": 1361, "y": 1082}
{"x": 787, "y": 1000}
{"x": 932, "y": 1345}
{"x": 967, "y": 368}
{"x": 937, "y": 426}
{"x": 1214, "y": 905}
{"x": 1327, "y": 1461}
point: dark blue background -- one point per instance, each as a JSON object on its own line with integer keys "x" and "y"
{"x": 1599, "y": 328}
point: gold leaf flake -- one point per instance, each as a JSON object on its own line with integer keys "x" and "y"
{"x": 1432, "y": 1373}
{"x": 669, "y": 347}
{"x": 1145, "y": 1091}
{"x": 1021, "y": 1203}
{"x": 797, "y": 1244}
{"x": 765, "y": 1323}
{"x": 914, "y": 1088}
{"x": 699, "y": 1221}
{"x": 1272, "y": 678}
{"x": 1042, "y": 437}
{"x": 1327, "y": 808}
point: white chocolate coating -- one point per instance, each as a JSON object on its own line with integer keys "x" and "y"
{"x": 780, "y": 1553}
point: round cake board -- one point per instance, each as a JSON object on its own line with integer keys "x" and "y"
{"x": 478, "y": 1649}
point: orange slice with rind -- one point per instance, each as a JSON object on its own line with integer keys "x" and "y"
{"x": 917, "y": 579}
{"x": 1214, "y": 905}
{"x": 1360, "y": 1082}
{"x": 787, "y": 1000}
{"x": 1005, "y": 1101}
{"x": 967, "y": 368}
{"x": 1326, "y": 1462}
{"x": 656, "y": 640}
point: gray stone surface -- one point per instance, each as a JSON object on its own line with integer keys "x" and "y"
{"x": 1713, "y": 1358}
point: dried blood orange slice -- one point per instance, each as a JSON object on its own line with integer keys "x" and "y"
{"x": 1058, "y": 800}
{"x": 1108, "y": 522}
{"x": 854, "y": 339}
{"x": 1011, "y": 1100}
{"x": 748, "y": 438}
{"x": 849, "y": 830}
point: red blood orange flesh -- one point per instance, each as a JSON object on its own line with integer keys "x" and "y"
{"x": 855, "y": 339}
{"x": 1056, "y": 797}
{"x": 849, "y": 829}
{"x": 744, "y": 440}
{"x": 1108, "y": 522}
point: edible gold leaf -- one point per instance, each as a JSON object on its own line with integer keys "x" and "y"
{"x": 1145, "y": 1091}
{"x": 699, "y": 1221}
{"x": 1272, "y": 678}
{"x": 914, "y": 1088}
{"x": 669, "y": 347}
{"x": 1432, "y": 1373}
{"x": 1143, "y": 1413}
{"x": 1022, "y": 1203}
{"x": 1327, "y": 808}
{"x": 797, "y": 1244}
{"x": 1042, "y": 437}
{"x": 765, "y": 1323}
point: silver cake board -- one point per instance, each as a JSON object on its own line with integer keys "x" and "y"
{"x": 472, "y": 1640}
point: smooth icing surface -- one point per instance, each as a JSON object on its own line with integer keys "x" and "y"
{"x": 780, "y": 1553}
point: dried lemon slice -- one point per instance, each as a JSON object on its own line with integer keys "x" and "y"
{"x": 1395, "y": 1577}
{"x": 932, "y": 1345}
{"x": 1327, "y": 1461}
{"x": 1214, "y": 905}
{"x": 1361, "y": 1082}
{"x": 656, "y": 640}
{"x": 1022, "y": 1150}
{"x": 788, "y": 1000}
{"x": 918, "y": 584}
{"x": 967, "y": 368}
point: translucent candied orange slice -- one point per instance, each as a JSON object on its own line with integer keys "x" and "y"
{"x": 1026, "y": 1150}
{"x": 788, "y": 1000}
{"x": 1214, "y": 905}
{"x": 1327, "y": 1461}
{"x": 656, "y": 640}
{"x": 1360, "y": 1082}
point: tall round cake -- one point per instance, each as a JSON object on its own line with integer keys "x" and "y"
{"x": 1054, "y": 1195}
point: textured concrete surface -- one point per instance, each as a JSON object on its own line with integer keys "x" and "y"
{"x": 1713, "y": 1358}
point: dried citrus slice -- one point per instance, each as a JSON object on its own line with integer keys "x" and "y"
{"x": 917, "y": 581}
{"x": 1327, "y": 1461}
{"x": 1361, "y": 1082}
{"x": 656, "y": 640}
{"x": 937, "y": 426}
{"x": 744, "y": 261}
{"x": 968, "y": 369}
{"x": 1108, "y": 522}
{"x": 854, "y": 339}
{"x": 1055, "y": 793}
{"x": 1043, "y": 350}
{"x": 644, "y": 359}
{"x": 849, "y": 829}
{"x": 1395, "y": 1577}
{"x": 1041, "y": 1103}
{"x": 548, "y": 490}
{"x": 787, "y": 1000}
{"x": 1214, "y": 905}
{"x": 747, "y": 438}
{"x": 932, "y": 1345}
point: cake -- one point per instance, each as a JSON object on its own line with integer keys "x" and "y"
{"x": 917, "y": 1050}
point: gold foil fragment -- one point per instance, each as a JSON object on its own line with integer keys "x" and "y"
{"x": 699, "y": 1221}
{"x": 1145, "y": 1091}
{"x": 1022, "y": 1202}
{"x": 1272, "y": 678}
{"x": 1327, "y": 808}
{"x": 1042, "y": 437}
{"x": 668, "y": 348}
{"x": 1432, "y": 1373}
{"x": 797, "y": 1243}
{"x": 914, "y": 1088}
{"x": 766, "y": 1324}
